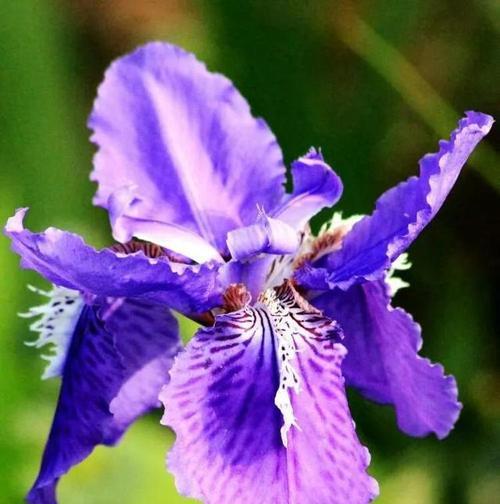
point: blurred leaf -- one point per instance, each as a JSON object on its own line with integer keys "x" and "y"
{"x": 405, "y": 78}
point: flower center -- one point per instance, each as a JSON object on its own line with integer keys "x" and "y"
{"x": 325, "y": 243}
{"x": 236, "y": 297}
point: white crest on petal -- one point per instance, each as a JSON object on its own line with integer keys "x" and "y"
{"x": 58, "y": 319}
{"x": 286, "y": 350}
{"x": 337, "y": 221}
{"x": 294, "y": 321}
{"x": 394, "y": 282}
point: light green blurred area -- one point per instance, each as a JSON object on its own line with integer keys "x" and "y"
{"x": 370, "y": 82}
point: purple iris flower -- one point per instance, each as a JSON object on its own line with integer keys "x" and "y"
{"x": 194, "y": 187}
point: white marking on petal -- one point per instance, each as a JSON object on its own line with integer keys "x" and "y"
{"x": 394, "y": 282}
{"x": 280, "y": 303}
{"x": 337, "y": 221}
{"x": 284, "y": 332}
{"x": 58, "y": 319}
{"x": 293, "y": 320}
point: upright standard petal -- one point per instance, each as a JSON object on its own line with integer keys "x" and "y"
{"x": 184, "y": 140}
{"x": 400, "y": 214}
{"x": 260, "y": 379}
{"x": 315, "y": 186}
{"x": 118, "y": 360}
{"x": 66, "y": 260}
{"x": 383, "y": 362}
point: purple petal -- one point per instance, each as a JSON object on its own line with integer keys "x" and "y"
{"x": 269, "y": 236}
{"x": 383, "y": 361}
{"x": 259, "y": 377}
{"x": 400, "y": 214}
{"x": 65, "y": 259}
{"x": 121, "y": 354}
{"x": 146, "y": 338}
{"x": 315, "y": 186}
{"x": 186, "y": 143}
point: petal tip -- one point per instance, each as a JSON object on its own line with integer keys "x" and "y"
{"x": 14, "y": 224}
{"x": 312, "y": 153}
{"x": 484, "y": 121}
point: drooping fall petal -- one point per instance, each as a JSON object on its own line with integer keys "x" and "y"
{"x": 383, "y": 361}
{"x": 117, "y": 361}
{"x": 261, "y": 378}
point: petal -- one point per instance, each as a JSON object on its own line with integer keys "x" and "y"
{"x": 383, "y": 361}
{"x": 66, "y": 260}
{"x": 113, "y": 352}
{"x": 315, "y": 186}
{"x": 259, "y": 377}
{"x": 269, "y": 236}
{"x": 185, "y": 140}
{"x": 147, "y": 339}
{"x": 264, "y": 271}
{"x": 171, "y": 236}
{"x": 400, "y": 214}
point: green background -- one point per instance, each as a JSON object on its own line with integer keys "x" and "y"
{"x": 375, "y": 84}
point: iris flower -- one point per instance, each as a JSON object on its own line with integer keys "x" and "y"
{"x": 195, "y": 190}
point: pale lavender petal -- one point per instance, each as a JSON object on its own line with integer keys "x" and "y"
{"x": 115, "y": 349}
{"x": 227, "y": 403}
{"x": 315, "y": 186}
{"x": 383, "y": 362}
{"x": 171, "y": 236}
{"x": 185, "y": 141}
{"x": 268, "y": 235}
{"x": 400, "y": 214}
{"x": 66, "y": 260}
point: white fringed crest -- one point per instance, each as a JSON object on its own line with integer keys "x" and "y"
{"x": 55, "y": 327}
{"x": 279, "y": 309}
{"x": 394, "y": 282}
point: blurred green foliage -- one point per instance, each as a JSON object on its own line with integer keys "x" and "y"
{"x": 371, "y": 82}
